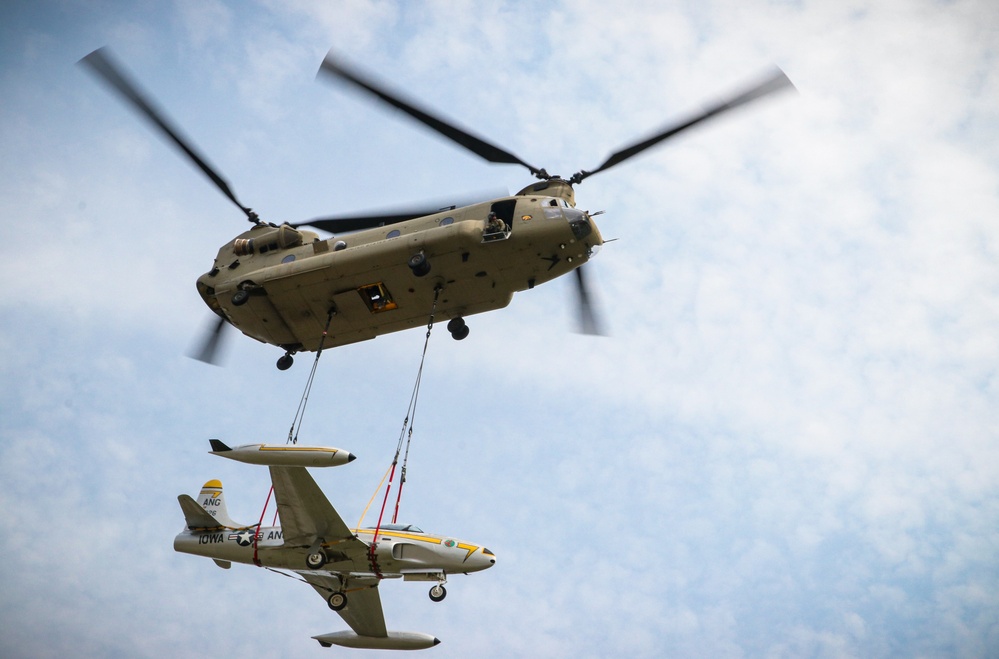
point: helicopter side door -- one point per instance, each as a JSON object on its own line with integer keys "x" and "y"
{"x": 499, "y": 224}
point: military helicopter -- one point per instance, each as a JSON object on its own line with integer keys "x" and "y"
{"x": 380, "y": 273}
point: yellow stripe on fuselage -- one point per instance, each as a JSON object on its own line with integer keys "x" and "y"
{"x": 305, "y": 449}
{"x": 429, "y": 539}
{"x": 470, "y": 549}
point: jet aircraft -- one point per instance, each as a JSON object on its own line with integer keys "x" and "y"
{"x": 344, "y": 565}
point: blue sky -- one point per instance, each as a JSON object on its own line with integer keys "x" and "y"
{"x": 787, "y": 446}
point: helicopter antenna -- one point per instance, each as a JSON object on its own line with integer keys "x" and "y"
{"x": 102, "y": 64}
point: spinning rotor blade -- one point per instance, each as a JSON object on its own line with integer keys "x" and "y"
{"x": 588, "y": 321}
{"x": 476, "y": 145}
{"x": 102, "y": 64}
{"x": 210, "y": 344}
{"x": 773, "y": 83}
{"x": 344, "y": 223}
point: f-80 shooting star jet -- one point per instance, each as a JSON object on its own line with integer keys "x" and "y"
{"x": 344, "y": 565}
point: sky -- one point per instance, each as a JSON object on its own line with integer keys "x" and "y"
{"x": 786, "y": 446}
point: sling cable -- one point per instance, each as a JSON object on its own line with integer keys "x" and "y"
{"x": 407, "y": 434}
{"x": 296, "y": 425}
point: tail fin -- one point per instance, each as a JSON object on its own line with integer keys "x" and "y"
{"x": 212, "y": 507}
{"x": 218, "y": 446}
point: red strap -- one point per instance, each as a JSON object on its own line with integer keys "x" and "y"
{"x": 374, "y": 539}
{"x": 256, "y": 535}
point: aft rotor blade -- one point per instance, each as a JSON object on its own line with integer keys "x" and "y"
{"x": 773, "y": 83}
{"x": 102, "y": 64}
{"x": 476, "y": 145}
{"x": 208, "y": 352}
{"x": 344, "y": 223}
{"x": 589, "y": 322}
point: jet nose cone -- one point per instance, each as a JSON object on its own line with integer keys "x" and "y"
{"x": 351, "y": 457}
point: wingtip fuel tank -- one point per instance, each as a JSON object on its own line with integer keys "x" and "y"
{"x": 392, "y": 641}
{"x": 283, "y": 455}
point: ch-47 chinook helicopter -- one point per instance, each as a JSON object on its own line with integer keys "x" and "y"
{"x": 381, "y": 273}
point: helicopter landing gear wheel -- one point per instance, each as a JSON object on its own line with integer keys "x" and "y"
{"x": 337, "y": 601}
{"x": 315, "y": 560}
{"x": 285, "y": 362}
{"x": 438, "y": 592}
{"x": 240, "y": 297}
{"x": 459, "y": 330}
{"x": 419, "y": 264}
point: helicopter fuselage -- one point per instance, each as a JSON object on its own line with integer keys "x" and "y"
{"x": 279, "y": 284}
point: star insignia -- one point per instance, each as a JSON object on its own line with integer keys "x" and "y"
{"x": 243, "y": 538}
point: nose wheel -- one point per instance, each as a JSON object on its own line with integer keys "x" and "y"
{"x": 438, "y": 592}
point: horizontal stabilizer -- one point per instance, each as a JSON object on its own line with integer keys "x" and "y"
{"x": 196, "y": 516}
{"x": 394, "y": 641}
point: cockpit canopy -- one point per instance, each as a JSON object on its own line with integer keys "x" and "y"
{"x": 408, "y": 528}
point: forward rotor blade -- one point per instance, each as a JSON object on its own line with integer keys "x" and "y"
{"x": 588, "y": 321}
{"x": 208, "y": 352}
{"x": 773, "y": 83}
{"x": 102, "y": 64}
{"x": 476, "y": 145}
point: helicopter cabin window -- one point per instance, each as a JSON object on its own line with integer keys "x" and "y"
{"x": 377, "y": 298}
{"x": 446, "y": 221}
{"x": 394, "y": 233}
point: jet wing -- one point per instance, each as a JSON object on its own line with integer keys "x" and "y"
{"x": 306, "y": 513}
{"x": 363, "y": 612}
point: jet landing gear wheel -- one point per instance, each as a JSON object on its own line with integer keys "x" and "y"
{"x": 438, "y": 592}
{"x": 315, "y": 560}
{"x": 285, "y": 362}
{"x": 458, "y": 328}
{"x": 337, "y": 601}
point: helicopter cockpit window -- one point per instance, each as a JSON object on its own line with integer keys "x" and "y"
{"x": 578, "y": 222}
